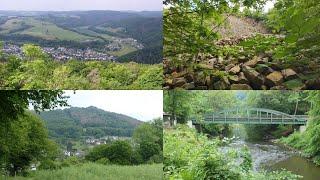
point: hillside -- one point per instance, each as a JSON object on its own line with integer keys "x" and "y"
{"x": 99, "y": 30}
{"x": 76, "y": 122}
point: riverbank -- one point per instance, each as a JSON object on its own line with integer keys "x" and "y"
{"x": 190, "y": 155}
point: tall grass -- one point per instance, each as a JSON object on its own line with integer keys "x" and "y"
{"x": 92, "y": 171}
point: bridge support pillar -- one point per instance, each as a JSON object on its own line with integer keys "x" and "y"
{"x": 302, "y": 128}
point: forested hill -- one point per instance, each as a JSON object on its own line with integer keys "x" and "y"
{"x": 91, "y": 121}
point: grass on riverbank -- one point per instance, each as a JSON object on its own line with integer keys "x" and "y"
{"x": 94, "y": 171}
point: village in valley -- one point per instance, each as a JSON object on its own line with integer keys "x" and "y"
{"x": 62, "y": 53}
{"x": 91, "y": 142}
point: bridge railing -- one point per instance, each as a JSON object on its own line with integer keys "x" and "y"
{"x": 254, "y": 116}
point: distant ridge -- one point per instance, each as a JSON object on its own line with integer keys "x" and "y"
{"x": 75, "y": 122}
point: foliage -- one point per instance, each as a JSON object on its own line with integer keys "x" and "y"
{"x": 96, "y": 171}
{"x": 196, "y": 104}
{"x": 14, "y": 103}
{"x": 177, "y": 104}
{"x": 149, "y": 139}
{"x": 23, "y": 137}
{"x": 145, "y": 148}
{"x": 309, "y": 141}
{"x": 104, "y": 161}
{"x": 189, "y": 155}
{"x": 43, "y": 73}
{"x": 118, "y": 152}
{"x": 299, "y": 20}
{"x": 74, "y": 123}
{"x": 32, "y": 52}
{"x": 295, "y": 103}
{"x": 188, "y": 26}
{"x": 25, "y": 141}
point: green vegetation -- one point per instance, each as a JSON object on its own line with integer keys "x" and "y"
{"x": 23, "y": 137}
{"x": 98, "y": 171}
{"x": 190, "y": 155}
{"x": 308, "y": 141}
{"x": 25, "y": 143}
{"x": 183, "y": 18}
{"x": 93, "y": 29}
{"x": 185, "y": 105}
{"x": 75, "y": 123}
{"x": 126, "y": 49}
{"x": 145, "y": 148}
{"x": 295, "y": 103}
{"x": 37, "y": 71}
{"x": 41, "y": 29}
{"x": 204, "y": 39}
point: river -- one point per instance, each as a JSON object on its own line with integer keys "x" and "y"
{"x": 268, "y": 156}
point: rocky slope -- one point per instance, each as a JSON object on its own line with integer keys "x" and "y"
{"x": 245, "y": 70}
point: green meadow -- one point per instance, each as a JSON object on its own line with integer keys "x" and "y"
{"x": 94, "y": 171}
{"x": 45, "y": 30}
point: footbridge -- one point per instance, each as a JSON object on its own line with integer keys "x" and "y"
{"x": 252, "y": 116}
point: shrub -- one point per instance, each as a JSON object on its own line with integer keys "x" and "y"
{"x": 104, "y": 161}
{"x": 73, "y": 160}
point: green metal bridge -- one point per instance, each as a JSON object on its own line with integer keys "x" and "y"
{"x": 252, "y": 116}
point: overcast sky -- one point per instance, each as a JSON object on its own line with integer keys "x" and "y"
{"x": 67, "y": 5}
{"x": 143, "y": 105}
{"x": 269, "y": 5}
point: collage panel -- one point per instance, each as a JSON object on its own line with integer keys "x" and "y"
{"x": 241, "y": 135}
{"x": 242, "y": 45}
{"x": 81, "y": 44}
{"x": 160, "y": 89}
{"x": 81, "y": 135}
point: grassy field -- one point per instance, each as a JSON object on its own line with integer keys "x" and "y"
{"x": 50, "y": 31}
{"x": 126, "y": 49}
{"x": 96, "y": 172}
{"x": 85, "y": 30}
{"x": 41, "y": 29}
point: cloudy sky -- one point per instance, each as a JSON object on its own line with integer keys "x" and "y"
{"x": 269, "y": 5}
{"x": 143, "y": 105}
{"x": 66, "y": 5}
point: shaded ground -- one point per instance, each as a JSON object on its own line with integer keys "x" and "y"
{"x": 246, "y": 62}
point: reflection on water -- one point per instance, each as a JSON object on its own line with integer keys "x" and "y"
{"x": 299, "y": 165}
{"x": 270, "y": 157}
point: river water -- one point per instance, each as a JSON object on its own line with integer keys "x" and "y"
{"x": 268, "y": 156}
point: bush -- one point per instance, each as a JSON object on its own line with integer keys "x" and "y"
{"x": 158, "y": 158}
{"x": 118, "y": 152}
{"x": 104, "y": 161}
{"x": 48, "y": 165}
{"x": 70, "y": 161}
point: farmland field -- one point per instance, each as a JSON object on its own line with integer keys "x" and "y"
{"x": 41, "y": 29}
{"x": 126, "y": 49}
